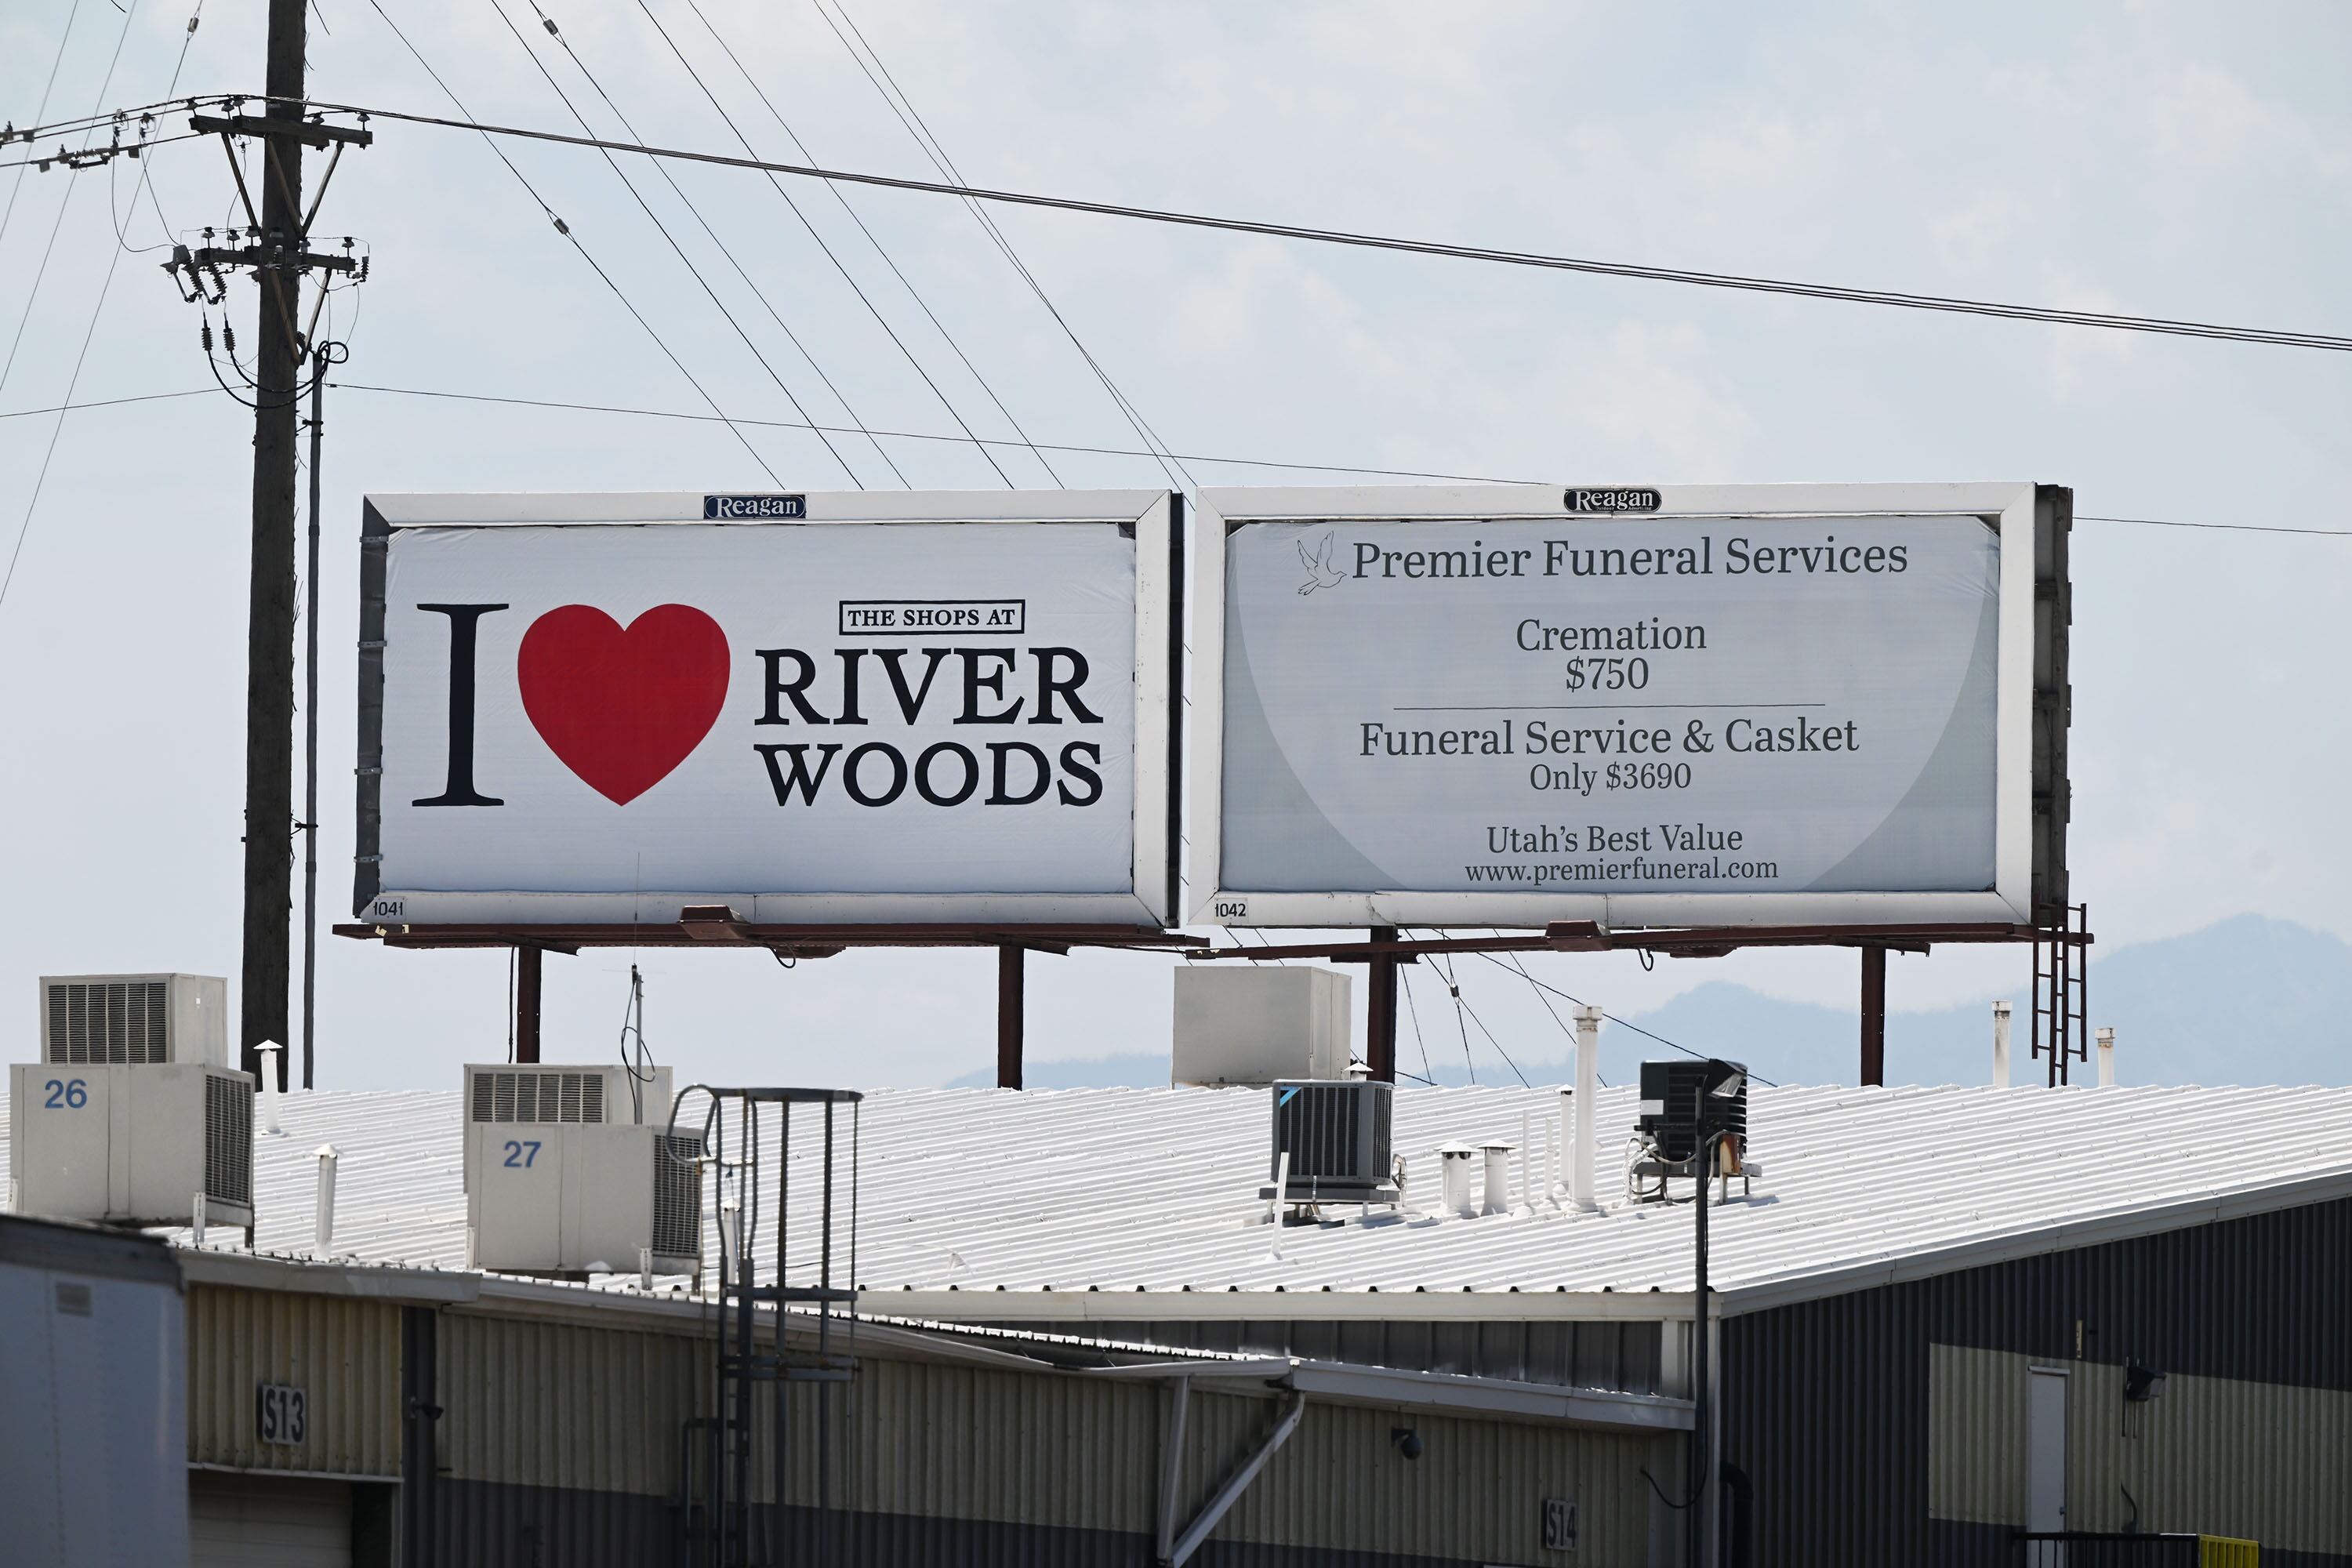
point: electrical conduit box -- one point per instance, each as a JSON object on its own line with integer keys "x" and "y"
{"x": 1254, "y": 1024}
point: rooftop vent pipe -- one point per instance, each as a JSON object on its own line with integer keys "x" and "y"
{"x": 1453, "y": 1179}
{"x": 323, "y": 1240}
{"x": 1581, "y": 1108}
{"x": 1499, "y": 1177}
{"x": 2000, "y": 1045}
{"x": 267, "y": 1051}
{"x": 2106, "y": 1058}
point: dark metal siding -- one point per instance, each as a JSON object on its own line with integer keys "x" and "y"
{"x": 1623, "y": 1356}
{"x": 1825, "y": 1403}
{"x": 485, "y": 1524}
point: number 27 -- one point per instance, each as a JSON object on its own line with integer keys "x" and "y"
{"x": 520, "y": 1154}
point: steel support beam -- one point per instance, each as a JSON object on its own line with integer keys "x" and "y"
{"x": 1231, "y": 1492}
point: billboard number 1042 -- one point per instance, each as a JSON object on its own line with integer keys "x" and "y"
{"x": 1608, "y": 674}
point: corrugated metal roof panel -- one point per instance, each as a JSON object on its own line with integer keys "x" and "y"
{"x": 1111, "y": 1192}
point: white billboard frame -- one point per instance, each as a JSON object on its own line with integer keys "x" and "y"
{"x": 2010, "y": 508}
{"x": 1155, "y": 520}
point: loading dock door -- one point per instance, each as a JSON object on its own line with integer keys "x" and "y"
{"x": 2046, "y": 1450}
{"x": 264, "y": 1521}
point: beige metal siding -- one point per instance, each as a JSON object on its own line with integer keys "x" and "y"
{"x": 345, "y": 1354}
{"x": 2224, "y": 1457}
{"x": 563, "y": 1404}
{"x": 1975, "y": 1436}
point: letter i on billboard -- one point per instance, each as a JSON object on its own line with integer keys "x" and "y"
{"x": 1634, "y": 704}
{"x": 603, "y": 709}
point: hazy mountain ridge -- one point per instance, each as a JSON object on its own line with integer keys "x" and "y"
{"x": 2247, "y": 1000}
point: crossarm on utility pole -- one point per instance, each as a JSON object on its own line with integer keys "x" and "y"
{"x": 1231, "y": 1492}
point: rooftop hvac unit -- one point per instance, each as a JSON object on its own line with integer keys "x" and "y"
{"x": 579, "y": 1198}
{"x": 1336, "y": 1136}
{"x": 131, "y": 1145}
{"x": 133, "y": 1020}
{"x": 526, "y": 1094}
{"x": 1671, "y": 1113}
{"x": 1254, "y": 1025}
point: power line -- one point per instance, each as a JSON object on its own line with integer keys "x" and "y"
{"x": 871, "y": 309}
{"x": 47, "y": 87}
{"x": 113, "y": 260}
{"x": 565, "y": 230}
{"x": 2226, "y": 527}
{"x": 1647, "y": 1033}
{"x": 64, "y": 205}
{"x": 909, "y": 435}
{"x": 647, "y": 208}
{"x": 871, "y": 238}
{"x": 1950, "y": 304}
{"x": 1045, "y": 446}
{"x": 936, "y": 152}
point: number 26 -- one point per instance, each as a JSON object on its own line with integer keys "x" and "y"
{"x": 66, "y": 1094}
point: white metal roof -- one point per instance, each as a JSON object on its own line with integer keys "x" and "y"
{"x": 1098, "y": 1205}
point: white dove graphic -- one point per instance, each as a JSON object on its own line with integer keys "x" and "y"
{"x": 1318, "y": 566}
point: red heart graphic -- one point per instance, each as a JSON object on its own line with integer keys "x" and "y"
{"x": 622, "y": 709}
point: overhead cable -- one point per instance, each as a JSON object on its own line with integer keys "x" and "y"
{"x": 48, "y": 87}
{"x": 936, "y": 153}
{"x": 855, "y": 287}
{"x": 646, "y": 207}
{"x": 114, "y": 258}
{"x": 1952, "y": 304}
{"x": 64, "y": 203}
{"x": 565, "y": 230}
{"x": 857, "y": 218}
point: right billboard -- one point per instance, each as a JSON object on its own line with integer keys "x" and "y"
{"x": 1643, "y": 706}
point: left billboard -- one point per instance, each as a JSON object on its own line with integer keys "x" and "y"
{"x": 941, "y": 707}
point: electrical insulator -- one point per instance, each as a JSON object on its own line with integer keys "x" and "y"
{"x": 208, "y": 335}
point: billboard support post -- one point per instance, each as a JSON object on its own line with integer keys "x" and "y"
{"x": 1379, "y": 1010}
{"x": 1011, "y": 1013}
{"x": 1874, "y": 1017}
{"x": 527, "y": 980}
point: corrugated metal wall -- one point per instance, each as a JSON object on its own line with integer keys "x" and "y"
{"x": 545, "y": 1404}
{"x": 343, "y": 1354}
{"x": 1575, "y": 1354}
{"x": 2261, "y": 1461}
{"x": 561, "y": 1440}
{"x": 1826, "y": 1404}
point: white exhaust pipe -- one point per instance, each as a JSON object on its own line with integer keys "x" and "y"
{"x": 1581, "y": 1108}
{"x": 2000, "y": 1045}
{"x": 2106, "y": 1058}
{"x": 267, "y": 1051}
{"x": 1499, "y": 1177}
{"x": 323, "y": 1237}
{"x": 1453, "y": 1179}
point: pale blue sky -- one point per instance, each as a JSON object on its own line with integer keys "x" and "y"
{"x": 2167, "y": 159}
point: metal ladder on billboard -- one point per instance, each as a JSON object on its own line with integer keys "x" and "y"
{"x": 2062, "y": 993}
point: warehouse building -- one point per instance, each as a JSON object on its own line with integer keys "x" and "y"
{"x": 1944, "y": 1316}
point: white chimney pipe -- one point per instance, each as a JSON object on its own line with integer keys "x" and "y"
{"x": 1453, "y": 1179}
{"x": 1582, "y": 1104}
{"x": 323, "y": 1240}
{"x": 2000, "y": 1045}
{"x": 2106, "y": 1058}
{"x": 1499, "y": 1177}
{"x": 267, "y": 1051}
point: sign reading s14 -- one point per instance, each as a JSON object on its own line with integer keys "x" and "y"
{"x": 1806, "y": 705}
{"x": 588, "y": 709}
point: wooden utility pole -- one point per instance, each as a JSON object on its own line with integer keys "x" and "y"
{"x": 1379, "y": 1010}
{"x": 269, "y": 626}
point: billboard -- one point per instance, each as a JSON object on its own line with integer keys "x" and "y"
{"x": 1686, "y": 706}
{"x": 813, "y": 708}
